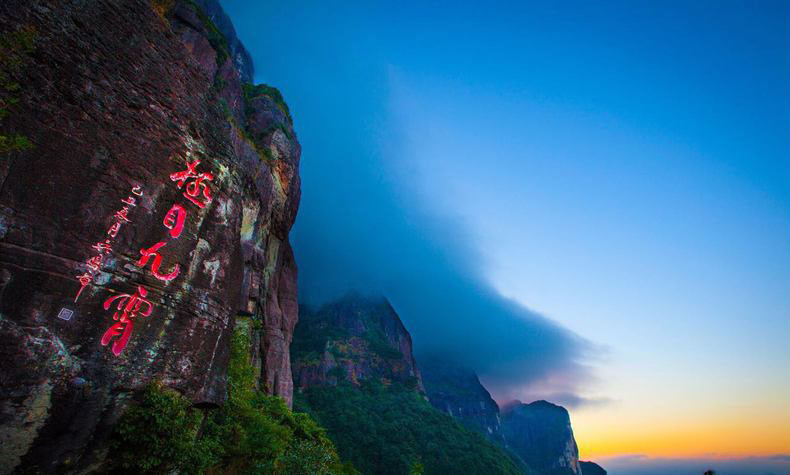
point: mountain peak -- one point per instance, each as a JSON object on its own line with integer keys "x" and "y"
{"x": 540, "y": 433}
{"x": 458, "y": 392}
{"x": 355, "y": 338}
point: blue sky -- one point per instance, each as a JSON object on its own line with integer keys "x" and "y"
{"x": 599, "y": 190}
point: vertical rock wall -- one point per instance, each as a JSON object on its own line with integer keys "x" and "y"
{"x": 541, "y": 434}
{"x": 458, "y": 392}
{"x": 115, "y": 97}
{"x": 355, "y": 338}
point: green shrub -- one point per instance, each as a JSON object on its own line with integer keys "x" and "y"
{"x": 14, "y": 143}
{"x": 160, "y": 434}
{"x": 251, "y": 433}
{"x": 338, "y": 372}
{"x": 14, "y": 48}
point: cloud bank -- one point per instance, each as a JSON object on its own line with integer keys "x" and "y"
{"x": 364, "y": 226}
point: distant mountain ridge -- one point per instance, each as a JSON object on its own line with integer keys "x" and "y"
{"x": 355, "y": 374}
{"x": 458, "y": 392}
{"x": 352, "y": 363}
{"x": 541, "y": 434}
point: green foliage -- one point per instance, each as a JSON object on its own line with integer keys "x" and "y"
{"x": 224, "y": 108}
{"x": 310, "y": 342}
{"x": 411, "y": 383}
{"x": 219, "y": 84}
{"x": 311, "y": 336}
{"x": 14, "y": 143}
{"x": 378, "y": 344}
{"x": 252, "y": 433}
{"x": 158, "y": 434}
{"x": 267, "y": 153}
{"x": 252, "y": 91}
{"x": 393, "y": 430}
{"x": 337, "y": 372}
{"x": 14, "y": 48}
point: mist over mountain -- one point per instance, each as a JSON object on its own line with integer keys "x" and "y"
{"x": 383, "y": 237}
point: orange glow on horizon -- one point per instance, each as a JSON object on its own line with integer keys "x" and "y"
{"x": 725, "y": 439}
{"x": 690, "y": 432}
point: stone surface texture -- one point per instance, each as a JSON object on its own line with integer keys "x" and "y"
{"x": 541, "y": 434}
{"x": 458, "y": 392}
{"x": 117, "y": 94}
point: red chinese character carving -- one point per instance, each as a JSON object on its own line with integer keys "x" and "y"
{"x": 84, "y": 279}
{"x": 137, "y": 190}
{"x": 129, "y": 201}
{"x": 103, "y": 246}
{"x": 192, "y": 190}
{"x": 94, "y": 263}
{"x": 174, "y": 220}
{"x": 113, "y": 231}
{"x": 120, "y": 215}
{"x": 152, "y": 251}
{"x": 128, "y": 307}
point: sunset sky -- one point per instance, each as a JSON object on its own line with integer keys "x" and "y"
{"x": 618, "y": 170}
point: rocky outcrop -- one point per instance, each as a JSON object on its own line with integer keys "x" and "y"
{"x": 458, "y": 392}
{"x": 591, "y": 468}
{"x": 540, "y": 434}
{"x": 241, "y": 57}
{"x": 356, "y": 338}
{"x": 121, "y": 99}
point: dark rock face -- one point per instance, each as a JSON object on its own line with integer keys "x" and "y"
{"x": 356, "y": 338}
{"x": 458, "y": 392}
{"x": 241, "y": 57}
{"x": 591, "y": 468}
{"x": 116, "y": 99}
{"x": 540, "y": 433}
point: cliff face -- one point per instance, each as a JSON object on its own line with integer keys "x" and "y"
{"x": 241, "y": 57}
{"x": 540, "y": 433}
{"x": 458, "y": 392}
{"x": 356, "y": 376}
{"x": 591, "y": 468}
{"x": 153, "y": 206}
{"x": 355, "y": 338}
